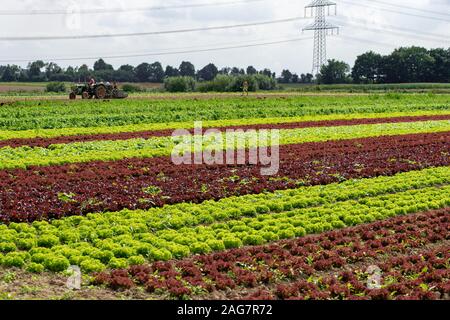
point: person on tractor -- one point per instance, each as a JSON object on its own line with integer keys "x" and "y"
{"x": 91, "y": 82}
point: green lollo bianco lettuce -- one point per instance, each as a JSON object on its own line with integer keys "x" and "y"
{"x": 118, "y": 263}
{"x": 56, "y": 263}
{"x": 136, "y": 260}
{"x": 92, "y": 265}
{"x": 231, "y": 243}
{"x": 6, "y": 247}
{"x": 15, "y": 259}
{"x": 35, "y": 267}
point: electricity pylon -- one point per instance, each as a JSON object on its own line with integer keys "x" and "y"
{"x": 319, "y": 9}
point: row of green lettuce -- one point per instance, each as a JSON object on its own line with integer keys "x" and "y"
{"x": 52, "y": 133}
{"x": 30, "y": 115}
{"x": 106, "y": 150}
{"x": 117, "y": 240}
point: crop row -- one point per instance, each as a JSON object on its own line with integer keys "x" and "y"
{"x": 242, "y": 122}
{"x": 57, "y": 114}
{"x": 142, "y": 133}
{"x": 421, "y": 276}
{"x": 310, "y": 258}
{"x": 133, "y": 237}
{"x": 24, "y": 157}
{"x": 57, "y": 191}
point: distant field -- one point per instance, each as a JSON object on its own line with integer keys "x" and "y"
{"x": 37, "y": 89}
{"x": 416, "y": 87}
{"x": 14, "y": 87}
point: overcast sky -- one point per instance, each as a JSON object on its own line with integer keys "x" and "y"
{"x": 359, "y": 32}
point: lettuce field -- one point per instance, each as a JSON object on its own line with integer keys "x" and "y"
{"x": 358, "y": 209}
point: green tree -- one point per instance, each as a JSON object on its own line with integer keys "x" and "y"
{"x": 52, "y": 70}
{"x": 171, "y": 72}
{"x": 235, "y": 71}
{"x": 187, "y": 69}
{"x": 225, "y": 71}
{"x": 411, "y": 64}
{"x": 251, "y": 70}
{"x": 143, "y": 72}
{"x": 9, "y": 73}
{"x": 100, "y": 65}
{"x": 286, "y": 76}
{"x": 208, "y": 73}
{"x": 127, "y": 68}
{"x": 156, "y": 72}
{"x": 34, "y": 71}
{"x": 334, "y": 72}
{"x": 441, "y": 69}
{"x": 367, "y": 68}
{"x": 83, "y": 73}
{"x": 267, "y": 72}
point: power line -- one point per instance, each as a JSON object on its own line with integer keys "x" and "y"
{"x": 411, "y": 8}
{"x": 122, "y": 10}
{"x": 395, "y": 11}
{"x": 398, "y": 33}
{"x": 355, "y": 39}
{"x": 148, "y": 54}
{"x": 362, "y": 23}
{"x": 136, "y": 34}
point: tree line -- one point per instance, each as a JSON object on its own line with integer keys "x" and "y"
{"x": 40, "y": 71}
{"x": 403, "y": 65}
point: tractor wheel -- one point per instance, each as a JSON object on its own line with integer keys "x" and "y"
{"x": 100, "y": 92}
{"x": 72, "y": 96}
{"x": 85, "y": 95}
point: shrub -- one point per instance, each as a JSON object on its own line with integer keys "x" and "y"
{"x": 131, "y": 88}
{"x": 179, "y": 84}
{"x": 264, "y": 82}
{"x": 221, "y": 83}
{"x": 56, "y": 87}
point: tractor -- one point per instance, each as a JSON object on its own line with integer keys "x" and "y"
{"x": 99, "y": 90}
